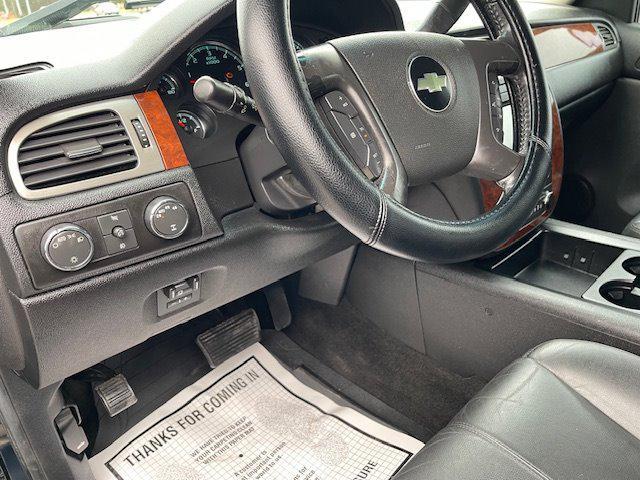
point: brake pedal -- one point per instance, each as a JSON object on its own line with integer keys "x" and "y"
{"x": 229, "y": 337}
{"x": 116, "y": 395}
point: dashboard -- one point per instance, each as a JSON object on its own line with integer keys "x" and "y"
{"x": 175, "y": 192}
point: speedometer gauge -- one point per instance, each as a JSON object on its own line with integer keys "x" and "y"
{"x": 219, "y": 62}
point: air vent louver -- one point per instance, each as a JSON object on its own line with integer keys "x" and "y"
{"x": 607, "y": 35}
{"x": 23, "y": 70}
{"x": 77, "y": 149}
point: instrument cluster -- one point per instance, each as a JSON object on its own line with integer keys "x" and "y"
{"x": 218, "y": 56}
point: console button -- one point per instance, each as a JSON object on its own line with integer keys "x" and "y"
{"x": 338, "y": 102}
{"x": 117, "y": 245}
{"x": 582, "y": 258}
{"x": 178, "y": 290}
{"x": 118, "y": 232}
{"x": 141, "y": 133}
{"x": 179, "y": 301}
{"x": 112, "y": 220}
{"x": 67, "y": 247}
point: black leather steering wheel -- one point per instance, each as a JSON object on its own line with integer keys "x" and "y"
{"x": 399, "y": 83}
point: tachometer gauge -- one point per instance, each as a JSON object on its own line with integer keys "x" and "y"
{"x": 219, "y": 62}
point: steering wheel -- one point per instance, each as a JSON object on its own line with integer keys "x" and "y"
{"x": 426, "y": 99}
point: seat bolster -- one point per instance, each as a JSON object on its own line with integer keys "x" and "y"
{"x": 607, "y": 377}
{"x": 633, "y": 228}
{"x": 458, "y": 454}
{"x": 556, "y": 413}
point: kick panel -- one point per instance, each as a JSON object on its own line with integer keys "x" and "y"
{"x": 74, "y": 245}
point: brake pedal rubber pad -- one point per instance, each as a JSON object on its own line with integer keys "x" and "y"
{"x": 116, "y": 395}
{"x": 229, "y": 337}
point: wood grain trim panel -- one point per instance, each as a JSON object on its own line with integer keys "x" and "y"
{"x": 559, "y": 44}
{"x": 492, "y": 193}
{"x": 164, "y": 132}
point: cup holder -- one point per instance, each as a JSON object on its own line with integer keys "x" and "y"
{"x": 622, "y": 293}
{"x": 632, "y": 265}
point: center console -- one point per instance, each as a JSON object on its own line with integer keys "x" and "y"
{"x": 559, "y": 281}
{"x": 583, "y": 263}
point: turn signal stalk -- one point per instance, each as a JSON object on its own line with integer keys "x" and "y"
{"x": 226, "y": 99}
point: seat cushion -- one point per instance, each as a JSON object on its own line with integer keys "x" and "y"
{"x": 567, "y": 410}
{"x": 633, "y": 228}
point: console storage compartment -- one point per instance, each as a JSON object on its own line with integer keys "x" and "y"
{"x": 554, "y": 261}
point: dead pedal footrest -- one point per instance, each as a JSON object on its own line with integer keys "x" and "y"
{"x": 229, "y": 337}
{"x": 116, "y": 395}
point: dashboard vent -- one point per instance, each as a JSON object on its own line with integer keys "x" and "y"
{"x": 607, "y": 35}
{"x": 77, "y": 149}
{"x": 23, "y": 70}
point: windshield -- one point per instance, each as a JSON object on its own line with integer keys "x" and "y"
{"x": 23, "y": 16}
{"x": 414, "y": 12}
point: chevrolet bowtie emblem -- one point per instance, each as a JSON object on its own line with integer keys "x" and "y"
{"x": 432, "y": 82}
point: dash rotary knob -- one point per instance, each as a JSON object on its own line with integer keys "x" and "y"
{"x": 67, "y": 247}
{"x": 166, "y": 217}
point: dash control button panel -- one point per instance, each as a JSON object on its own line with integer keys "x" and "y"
{"x": 117, "y": 231}
{"x": 106, "y": 236}
{"x": 113, "y": 220}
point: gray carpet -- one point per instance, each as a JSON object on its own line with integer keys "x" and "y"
{"x": 405, "y": 380}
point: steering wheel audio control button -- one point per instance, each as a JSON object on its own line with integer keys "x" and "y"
{"x": 338, "y": 102}
{"x": 67, "y": 247}
{"x": 375, "y": 160}
{"x": 166, "y": 217}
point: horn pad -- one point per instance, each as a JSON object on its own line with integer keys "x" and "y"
{"x": 426, "y": 91}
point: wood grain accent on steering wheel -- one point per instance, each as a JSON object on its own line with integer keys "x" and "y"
{"x": 492, "y": 192}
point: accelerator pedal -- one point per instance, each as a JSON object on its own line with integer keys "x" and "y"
{"x": 116, "y": 395}
{"x": 229, "y": 337}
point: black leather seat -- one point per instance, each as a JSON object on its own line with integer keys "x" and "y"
{"x": 633, "y": 228}
{"x": 567, "y": 410}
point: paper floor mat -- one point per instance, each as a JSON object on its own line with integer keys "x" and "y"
{"x": 251, "y": 419}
